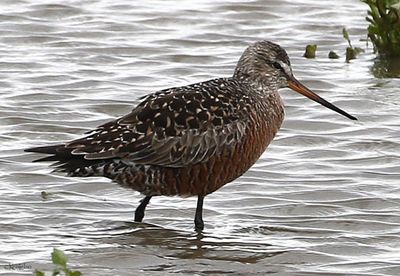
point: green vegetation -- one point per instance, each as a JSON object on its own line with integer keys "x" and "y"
{"x": 351, "y": 52}
{"x": 310, "y": 51}
{"x": 60, "y": 260}
{"x": 384, "y": 28}
{"x": 333, "y": 55}
{"x": 44, "y": 195}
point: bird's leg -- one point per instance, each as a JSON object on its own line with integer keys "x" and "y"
{"x": 198, "y": 219}
{"x": 139, "y": 213}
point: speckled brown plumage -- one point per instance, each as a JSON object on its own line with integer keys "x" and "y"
{"x": 189, "y": 140}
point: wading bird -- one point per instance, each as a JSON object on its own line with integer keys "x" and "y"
{"x": 190, "y": 140}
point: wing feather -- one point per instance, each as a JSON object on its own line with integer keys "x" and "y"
{"x": 175, "y": 127}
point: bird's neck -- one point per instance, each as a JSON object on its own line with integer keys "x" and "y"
{"x": 261, "y": 84}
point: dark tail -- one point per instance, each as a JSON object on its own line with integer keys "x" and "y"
{"x": 64, "y": 161}
{"x": 58, "y": 152}
{"x": 47, "y": 149}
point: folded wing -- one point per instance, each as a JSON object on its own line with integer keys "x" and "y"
{"x": 174, "y": 128}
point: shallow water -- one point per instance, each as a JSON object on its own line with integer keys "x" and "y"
{"x": 324, "y": 198}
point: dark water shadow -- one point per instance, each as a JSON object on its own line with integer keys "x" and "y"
{"x": 386, "y": 67}
{"x": 186, "y": 245}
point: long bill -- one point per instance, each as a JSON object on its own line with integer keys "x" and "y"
{"x": 300, "y": 88}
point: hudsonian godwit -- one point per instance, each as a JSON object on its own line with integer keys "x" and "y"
{"x": 190, "y": 140}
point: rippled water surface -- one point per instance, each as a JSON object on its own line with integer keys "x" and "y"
{"x": 324, "y": 198}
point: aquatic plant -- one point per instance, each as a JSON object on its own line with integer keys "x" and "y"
{"x": 333, "y": 55}
{"x": 351, "y": 52}
{"x": 384, "y": 28}
{"x": 60, "y": 260}
{"x": 310, "y": 51}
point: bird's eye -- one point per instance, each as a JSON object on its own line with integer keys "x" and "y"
{"x": 277, "y": 65}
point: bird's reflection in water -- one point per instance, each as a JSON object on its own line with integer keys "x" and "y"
{"x": 178, "y": 244}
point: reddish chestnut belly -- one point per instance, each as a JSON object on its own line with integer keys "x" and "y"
{"x": 205, "y": 178}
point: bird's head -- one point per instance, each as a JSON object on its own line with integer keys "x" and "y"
{"x": 265, "y": 62}
{"x": 267, "y": 65}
